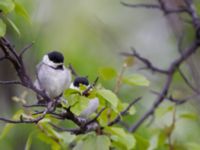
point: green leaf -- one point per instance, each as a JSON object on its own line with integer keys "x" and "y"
{"x": 28, "y": 142}
{"x": 141, "y": 143}
{"x": 102, "y": 142}
{"x": 190, "y": 116}
{"x": 193, "y": 146}
{"x": 119, "y": 136}
{"x": 82, "y": 104}
{"x": 109, "y": 96}
{"x": 19, "y": 9}
{"x": 2, "y": 28}
{"x": 49, "y": 140}
{"x": 161, "y": 139}
{"x": 69, "y": 92}
{"x": 67, "y": 137}
{"x": 7, "y": 6}
{"x": 129, "y": 61}
{"x": 8, "y": 127}
{"x": 103, "y": 119}
{"x": 94, "y": 142}
{"x": 14, "y": 26}
{"x": 107, "y": 73}
{"x": 136, "y": 79}
{"x": 161, "y": 111}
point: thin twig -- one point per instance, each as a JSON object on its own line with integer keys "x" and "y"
{"x": 156, "y": 7}
{"x": 188, "y": 83}
{"x": 96, "y": 117}
{"x": 72, "y": 70}
{"x": 25, "y": 49}
{"x": 10, "y": 82}
{"x": 149, "y": 6}
{"x": 85, "y": 93}
{"x": 148, "y": 64}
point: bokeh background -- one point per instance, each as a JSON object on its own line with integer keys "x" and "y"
{"x": 91, "y": 34}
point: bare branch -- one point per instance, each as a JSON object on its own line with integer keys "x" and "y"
{"x": 75, "y": 130}
{"x": 72, "y": 70}
{"x": 2, "y": 58}
{"x": 10, "y": 82}
{"x": 148, "y": 64}
{"x": 188, "y": 82}
{"x": 172, "y": 99}
{"x": 149, "y": 6}
{"x": 25, "y": 49}
{"x": 96, "y": 117}
{"x": 35, "y": 105}
{"x": 160, "y": 7}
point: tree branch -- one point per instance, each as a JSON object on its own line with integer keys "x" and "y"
{"x": 147, "y": 63}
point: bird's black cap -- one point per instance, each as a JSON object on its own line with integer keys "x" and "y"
{"x": 80, "y": 80}
{"x": 56, "y": 57}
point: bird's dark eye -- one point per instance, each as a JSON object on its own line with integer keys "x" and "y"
{"x": 56, "y": 57}
{"x": 81, "y": 80}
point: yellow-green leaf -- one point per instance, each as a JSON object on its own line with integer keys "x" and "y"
{"x": 81, "y": 105}
{"x": 109, "y": 96}
{"x": 2, "y": 28}
{"x": 190, "y": 116}
{"x": 121, "y": 137}
{"x": 8, "y": 127}
{"x": 14, "y": 26}
{"x": 136, "y": 79}
{"x": 7, "y": 6}
{"x": 29, "y": 142}
{"x": 107, "y": 73}
{"x": 19, "y": 9}
{"x": 94, "y": 142}
{"x": 141, "y": 143}
{"x": 129, "y": 61}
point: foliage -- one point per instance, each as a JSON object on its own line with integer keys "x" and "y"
{"x": 113, "y": 108}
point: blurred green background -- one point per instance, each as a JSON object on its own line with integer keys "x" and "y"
{"x": 91, "y": 34}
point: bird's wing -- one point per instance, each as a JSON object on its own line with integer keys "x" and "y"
{"x": 37, "y": 81}
{"x": 69, "y": 77}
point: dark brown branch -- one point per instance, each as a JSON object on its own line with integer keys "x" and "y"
{"x": 10, "y": 82}
{"x": 51, "y": 105}
{"x": 73, "y": 130}
{"x": 96, "y": 117}
{"x": 188, "y": 83}
{"x": 72, "y": 70}
{"x": 160, "y": 7}
{"x": 149, "y": 6}
{"x": 25, "y": 49}
{"x": 2, "y": 58}
{"x": 35, "y": 105}
{"x": 172, "y": 99}
{"x": 147, "y": 63}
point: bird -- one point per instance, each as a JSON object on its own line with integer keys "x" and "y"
{"x": 93, "y": 102}
{"x": 52, "y": 76}
{"x": 79, "y": 81}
